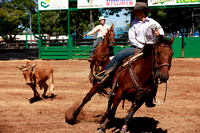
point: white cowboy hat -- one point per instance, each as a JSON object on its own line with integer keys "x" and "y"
{"x": 102, "y": 17}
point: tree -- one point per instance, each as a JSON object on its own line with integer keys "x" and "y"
{"x": 14, "y": 17}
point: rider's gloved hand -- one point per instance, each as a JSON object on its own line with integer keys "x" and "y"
{"x": 85, "y": 35}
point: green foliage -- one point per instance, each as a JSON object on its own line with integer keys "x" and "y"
{"x": 14, "y": 16}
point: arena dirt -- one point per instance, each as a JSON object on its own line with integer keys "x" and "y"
{"x": 179, "y": 114}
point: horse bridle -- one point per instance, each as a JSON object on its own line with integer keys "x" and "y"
{"x": 156, "y": 72}
{"x": 156, "y": 66}
{"x": 106, "y": 49}
{"x": 110, "y": 44}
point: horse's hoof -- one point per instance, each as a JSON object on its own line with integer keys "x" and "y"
{"x": 70, "y": 119}
{"x": 123, "y": 130}
{"x": 101, "y": 131}
{"x": 52, "y": 96}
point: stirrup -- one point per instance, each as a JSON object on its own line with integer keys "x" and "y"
{"x": 100, "y": 81}
{"x": 103, "y": 80}
{"x": 101, "y": 73}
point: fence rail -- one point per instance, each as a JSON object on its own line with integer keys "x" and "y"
{"x": 18, "y": 44}
{"x": 80, "y": 48}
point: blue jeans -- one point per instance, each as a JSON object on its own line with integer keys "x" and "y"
{"x": 120, "y": 56}
{"x": 99, "y": 39}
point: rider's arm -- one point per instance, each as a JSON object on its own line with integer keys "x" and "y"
{"x": 159, "y": 30}
{"x": 94, "y": 30}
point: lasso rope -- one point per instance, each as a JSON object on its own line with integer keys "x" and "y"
{"x": 151, "y": 27}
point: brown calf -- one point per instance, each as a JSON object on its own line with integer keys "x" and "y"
{"x": 38, "y": 74}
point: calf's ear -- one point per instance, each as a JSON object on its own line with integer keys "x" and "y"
{"x": 20, "y": 67}
{"x": 32, "y": 66}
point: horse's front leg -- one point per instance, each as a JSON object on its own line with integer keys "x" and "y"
{"x": 111, "y": 113}
{"x": 110, "y": 101}
{"x": 135, "y": 106}
{"x": 87, "y": 98}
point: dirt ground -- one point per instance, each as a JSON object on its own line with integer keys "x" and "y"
{"x": 179, "y": 114}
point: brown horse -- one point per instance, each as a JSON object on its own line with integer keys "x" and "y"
{"x": 96, "y": 88}
{"x": 101, "y": 55}
{"x": 139, "y": 80}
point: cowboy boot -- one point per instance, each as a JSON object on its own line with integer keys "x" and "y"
{"x": 102, "y": 76}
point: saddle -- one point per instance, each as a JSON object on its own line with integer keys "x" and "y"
{"x": 138, "y": 53}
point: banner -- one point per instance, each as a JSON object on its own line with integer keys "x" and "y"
{"x": 171, "y": 2}
{"x": 105, "y": 3}
{"x": 52, "y": 4}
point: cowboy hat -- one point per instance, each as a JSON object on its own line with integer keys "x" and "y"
{"x": 140, "y": 6}
{"x": 102, "y": 17}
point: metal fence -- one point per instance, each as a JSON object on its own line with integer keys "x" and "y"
{"x": 80, "y": 48}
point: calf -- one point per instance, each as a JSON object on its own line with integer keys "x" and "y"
{"x": 38, "y": 74}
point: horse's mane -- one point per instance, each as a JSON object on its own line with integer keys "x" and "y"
{"x": 162, "y": 39}
{"x": 149, "y": 47}
{"x": 111, "y": 29}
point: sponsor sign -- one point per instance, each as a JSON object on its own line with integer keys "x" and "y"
{"x": 105, "y": 3}
{"x": 171, "y": 2}
{"x": 52, "y": 4}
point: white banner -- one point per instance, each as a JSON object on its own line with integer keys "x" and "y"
{"x": 52, "y": 4}
{"x": 171, "y": 2}
{"x": 105, "y": 3}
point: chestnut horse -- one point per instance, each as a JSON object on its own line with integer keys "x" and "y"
{"x": 101, "y": 55}
{"x": 139, "y": 79}
{"x": 147, "y": 62}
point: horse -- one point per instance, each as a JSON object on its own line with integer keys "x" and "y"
{"x": 138, "y": 81}
{"x": 96, "y": 88}
{"x": 100, "y": 56}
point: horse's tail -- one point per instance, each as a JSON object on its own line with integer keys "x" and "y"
{"x": 103, "y": 91}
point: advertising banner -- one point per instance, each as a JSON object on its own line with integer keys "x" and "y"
{"x": 105, "y": 3}
{"x": 52, "y": 4}
{"x": 171, "y": 2}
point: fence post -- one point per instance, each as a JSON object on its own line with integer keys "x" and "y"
{"x": 39, "y": 48}
{"x": 26, "y": 42}
{"x": 70, "y": 46}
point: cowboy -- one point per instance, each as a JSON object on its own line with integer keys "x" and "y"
{"x": 102, "y": 30}
{"x": 137, "y": 35}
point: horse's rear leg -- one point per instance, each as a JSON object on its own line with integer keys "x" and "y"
{"x": 87, "y": 98}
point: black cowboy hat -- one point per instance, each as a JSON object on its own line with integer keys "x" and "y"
{"x": 140, "y": 6}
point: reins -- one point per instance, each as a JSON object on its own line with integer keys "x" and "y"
{"x": 157, "y": 102}
{"x": 156, "y": 71}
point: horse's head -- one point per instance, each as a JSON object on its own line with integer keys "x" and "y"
{"x": 163, "y": 57}
{"x": 111, "y": 36}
